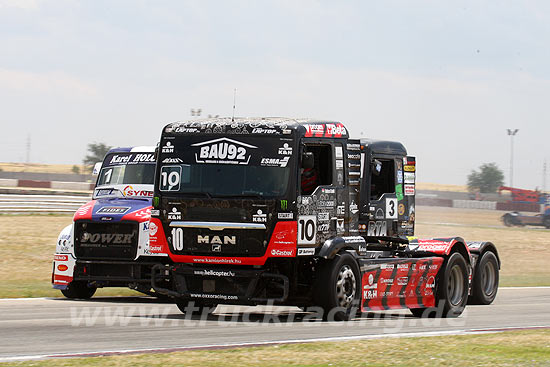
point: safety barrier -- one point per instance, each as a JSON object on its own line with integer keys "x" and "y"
{"x": 40, "y": 203}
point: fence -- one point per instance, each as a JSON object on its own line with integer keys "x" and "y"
{"x": 40, "y": 203}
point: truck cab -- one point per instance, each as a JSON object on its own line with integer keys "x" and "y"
{"x": 107, "y": 245}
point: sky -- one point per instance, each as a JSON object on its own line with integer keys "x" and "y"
{"x": 446, "y": 78}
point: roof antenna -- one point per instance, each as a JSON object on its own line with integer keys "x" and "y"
{"x": 234, "y": 97}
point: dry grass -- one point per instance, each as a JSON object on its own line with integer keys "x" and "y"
{"x": 525, "y": 348}
{"x": 27, "y": 244}
{"x": 441, "y": 187}
{"x": 524, "y": 251}
{"x": 38, "y": 167}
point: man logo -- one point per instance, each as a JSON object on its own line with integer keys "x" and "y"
{"x": 217, "y": 240}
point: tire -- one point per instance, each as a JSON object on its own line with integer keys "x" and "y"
{"x": 507, "y": 220}
{"x": 78, "y": 290}
{"x": 452, "y": 290}
{"x": 485, "y": 282}
{"x": 338, "y": 288}
{"x": 547, "y": 223}
{"x": 197, "y": 308}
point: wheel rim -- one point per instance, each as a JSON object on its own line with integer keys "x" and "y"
{"x": 488, "y": 279}
{"x": 455, "y": 286}
{"x": 345, "y": 286}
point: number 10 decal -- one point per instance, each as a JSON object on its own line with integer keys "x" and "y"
{"x": 307, "y": 229}
{"x": 170, "y": 178}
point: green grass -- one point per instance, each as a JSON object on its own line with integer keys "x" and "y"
{"x": 516, "y": 348}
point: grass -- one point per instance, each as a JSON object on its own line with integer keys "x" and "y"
{"x": 515, "y": 348}
{"x": 523, "y": 250}
{"x": 27, "y": 244}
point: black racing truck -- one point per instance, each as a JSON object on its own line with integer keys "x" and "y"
{"x": 294, "y": 212}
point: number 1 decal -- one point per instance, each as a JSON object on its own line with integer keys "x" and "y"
{"x": 307, "y": 229}
{"x": 391, "y": 208}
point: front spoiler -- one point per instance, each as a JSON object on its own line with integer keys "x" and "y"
{"x": 246, "y": 286}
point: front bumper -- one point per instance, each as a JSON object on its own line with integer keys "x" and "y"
{"x": 220, "y": 285}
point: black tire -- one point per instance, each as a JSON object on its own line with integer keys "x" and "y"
{"x": 452, "y": 290}
{"x": 338, "y": 288}
{"x": 485, "y": 282}
{"x": 196, "y": 308}
{"x": 78, "y": 290}
{"x": 507, "y": 220}
{"x": 547, "y": 222}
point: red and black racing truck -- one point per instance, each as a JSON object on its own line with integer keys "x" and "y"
{"x": 294, "y": 212}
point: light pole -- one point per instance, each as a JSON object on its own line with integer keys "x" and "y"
{"x": 512, "y": 133}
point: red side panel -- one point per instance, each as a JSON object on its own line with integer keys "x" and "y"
{"x": 402, "y": 283}
{"x": 85, "y": 211}
{"x": 281, "y": 244}
{"x": 140, "y": 215}
{"x": 157, "y": 238}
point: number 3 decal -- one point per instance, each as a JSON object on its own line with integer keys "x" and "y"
{"x": 391, "y": 208}
{"x": 307, "y": 228}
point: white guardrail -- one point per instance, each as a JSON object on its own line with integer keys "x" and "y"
{"x": 40, "y": 203}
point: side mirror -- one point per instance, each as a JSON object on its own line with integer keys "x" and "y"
{"x": 308, "y": 160}
{"x": 97, "y": 168}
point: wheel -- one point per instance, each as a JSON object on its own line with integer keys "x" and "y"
{"x": 485, "y": 282}
{"x": 547, "y": 223}
{"x": 507, "y": 220}
{"x": 338, "y": 288}
{"x": 195, "y": 307}
{"x": 452, "y": 290}
{"x": 78, "y": 289}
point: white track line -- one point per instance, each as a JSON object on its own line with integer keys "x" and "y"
{"x": 269, "y": 343}
{"x": 146, "y": 297}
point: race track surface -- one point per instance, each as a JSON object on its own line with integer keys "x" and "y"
{"x": 38, "y": 328}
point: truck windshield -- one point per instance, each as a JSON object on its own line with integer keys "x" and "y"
{"x": 225, "y": 180}
{"x": 127, "y": 168}
{"x": 221, "y": 166}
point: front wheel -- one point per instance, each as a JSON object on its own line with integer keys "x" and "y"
{"x": 507, "y": 221}
{"x": 547, "y": 222}
{"x": 452, "y": 291}
{"x": 485, "y": 282}
{"x": 78, "y": 289}
{"x": 338, "y": 288}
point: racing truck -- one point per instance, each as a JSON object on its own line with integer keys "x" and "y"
{"x": 107, "y": 245}
{"x": 294, "y": 212}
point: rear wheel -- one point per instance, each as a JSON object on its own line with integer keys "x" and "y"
{"x": 78, "y": 289}
{"x": 547, "y": 222}
{"x": 338, "y": 288}
{"x": 486, "y": 277}
{"x": 452, "y": 291}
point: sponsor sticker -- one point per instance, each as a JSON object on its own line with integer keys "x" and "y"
{"x": 409, "y": 190}
{"x": 285, "y": 149}
{"x": 401, "y": 209}
{"x": 409, "y": 168}
{"x": 113, "y": 210}
{"x": 259, "y": 217}
{"x": 306, "y": 251}
{"x": 223, "y": 151}
{"x": 409, "y": 177}
{"x": 285, "y": 215}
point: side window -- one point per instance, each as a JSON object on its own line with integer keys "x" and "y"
{"x": 321, "y": 173}
{"x": 382, "y": 178}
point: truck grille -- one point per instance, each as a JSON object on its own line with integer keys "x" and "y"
{"x": 106, "y": 240}
{"x": 244, "y": 242}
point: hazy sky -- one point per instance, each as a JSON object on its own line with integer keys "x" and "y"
{"x": 446, "y": 78}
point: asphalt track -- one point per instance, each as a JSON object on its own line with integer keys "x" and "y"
{"x": 45, "y": 328}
